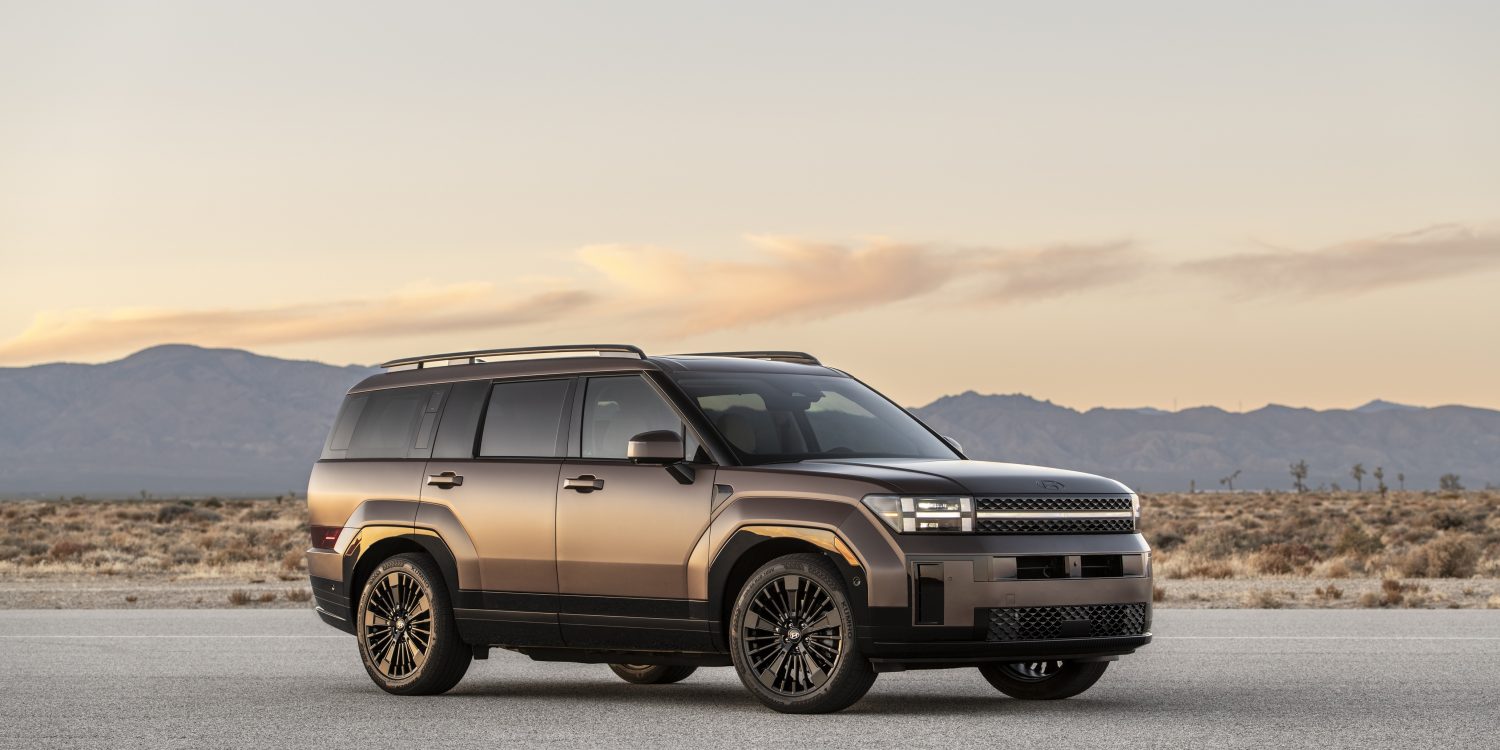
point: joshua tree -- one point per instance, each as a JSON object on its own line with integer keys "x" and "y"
{"x": 1229, "y": 480}
{"x": 1450, "y": 483}
{"x": 1299, "y": 476}
{"x": 1401, "y": 480}
{"x": 1358, "y": 472}
{"x": 1380, "y": 480}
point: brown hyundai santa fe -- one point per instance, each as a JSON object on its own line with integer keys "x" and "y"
{"x": 663, "y": 513}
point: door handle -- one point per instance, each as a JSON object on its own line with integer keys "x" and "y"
{"x": 445, "y": 480}
{"x": 585, "y": 483}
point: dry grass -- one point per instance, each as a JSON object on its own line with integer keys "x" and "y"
{"x": 1324, "y": 535}
{"x": 1212, "y": 549}
{"x": 212, "y": 538}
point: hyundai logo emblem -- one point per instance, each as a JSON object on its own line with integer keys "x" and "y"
{"x": 1048, "y": 484}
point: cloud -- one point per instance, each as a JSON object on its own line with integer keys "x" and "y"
{"x": 655, "y": 292}
{"x": 785, "y": 278}
{"x": 1359, "y": 266}
{"x": 418, "y": 309}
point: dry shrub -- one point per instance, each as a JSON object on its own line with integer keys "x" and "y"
{"x": 239, "y": 598}
{"x": 298, "y": 595}
{"x": 1369, "y": 600}
{"x": 67, "y": 549}
{"x": 1194, "y": 566}
{"x": 1448, "y": 519}
{"x": 1338, "y": 567}
{"x": 267, "y": 597}
{"x": 131, "y": 598}
{"x": 1357, "y": 540}
{"x": 1493, "y": 603}
{"x": 1283, "y": 558}
{"x": 1262, "y": 599}
{"x": 1158, "y": 594}
{"x": 1330, "y": 593}
{"x": 1447, "y": 556}
{"x": 1394, "y": 593}
{"x": 170, "y": 513}
{"x": 294, "y": 559}
{"x": 1218, "y": 541}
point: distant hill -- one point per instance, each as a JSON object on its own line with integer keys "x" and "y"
{"x": 183, "y": 419}
{"x": 167, "y": 419}
{"x": 1154, "y": 450}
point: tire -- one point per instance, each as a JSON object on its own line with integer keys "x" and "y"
{"x": 403, "y": 607}
{"x": 792, "y": 638}
{"x": 1044, "y": 680}
{"x": 652, "y": 674}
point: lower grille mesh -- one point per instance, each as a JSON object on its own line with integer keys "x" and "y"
{"x": 1078, "y": 621}
{"x": 1054, "y": 525}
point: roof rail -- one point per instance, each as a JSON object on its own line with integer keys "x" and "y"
{"x": 477, "y": 355}
{"x": 801, "y": 358}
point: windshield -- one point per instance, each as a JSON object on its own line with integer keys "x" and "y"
{"x": 769, "y": 418}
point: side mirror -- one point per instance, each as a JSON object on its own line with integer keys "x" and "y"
{"x": 956, "y": 445}
{"x": 655, "y": 447}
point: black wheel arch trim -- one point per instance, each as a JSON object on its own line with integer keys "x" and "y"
{"x": 358, "y": 559}
{"x": 751, "y": 542}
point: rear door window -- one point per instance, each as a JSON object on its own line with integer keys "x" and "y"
{"x": 524, "y": 419}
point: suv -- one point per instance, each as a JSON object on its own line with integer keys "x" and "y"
{"x": 663, "y": 513}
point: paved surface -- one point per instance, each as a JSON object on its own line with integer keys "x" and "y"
{"x": 272, "y": 679}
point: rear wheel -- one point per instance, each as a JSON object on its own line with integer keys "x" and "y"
{"x": 652, "y": 674}
{"x": 1043, "y": 680}
{"x": 407, "y": 637}
{"x": 792, "y": 638}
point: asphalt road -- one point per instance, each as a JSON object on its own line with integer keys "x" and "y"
{"x": 1213, "y": 678}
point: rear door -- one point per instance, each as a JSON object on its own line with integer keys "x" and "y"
{"x": 492, "y": 487}
{"x": 623, "y": 550}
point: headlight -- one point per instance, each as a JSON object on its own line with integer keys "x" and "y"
{"x": 909, "y": 514}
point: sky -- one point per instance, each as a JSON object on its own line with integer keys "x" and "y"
{"x": 1100, "y": 204}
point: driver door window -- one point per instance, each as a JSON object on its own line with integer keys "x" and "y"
{"x": 616, "y": 409}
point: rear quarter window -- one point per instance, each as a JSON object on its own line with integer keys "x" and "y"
{"x": 392, "y": 424}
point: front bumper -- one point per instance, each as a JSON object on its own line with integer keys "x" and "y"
{"x": 1089, "y": 599}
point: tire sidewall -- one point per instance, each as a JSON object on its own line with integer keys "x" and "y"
{"x": 849, "y": 670}
{"x": 444, "y": 635}
{"x": 1070, "y": 680}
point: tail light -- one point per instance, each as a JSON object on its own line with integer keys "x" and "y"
{"x": 324, "y": 537}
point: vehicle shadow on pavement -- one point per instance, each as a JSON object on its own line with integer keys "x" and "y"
{"x": 733, "y": 697}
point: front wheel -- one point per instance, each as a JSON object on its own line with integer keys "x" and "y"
{"x": 408, "y": 639}
{"x": 652, "y": 674}
{"x": 792, "y": 638}
{"x": 1048, "y": 680}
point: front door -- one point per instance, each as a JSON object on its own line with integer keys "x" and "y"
{"x": 626, "y": 532}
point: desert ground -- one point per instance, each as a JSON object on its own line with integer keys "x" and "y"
{"x": 1422, "y": 550}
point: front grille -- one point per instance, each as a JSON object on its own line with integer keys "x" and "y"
{"x": 1082, "y": 525}
{"x": 1078, "y": 621}
{"x": 1062, "y": 503}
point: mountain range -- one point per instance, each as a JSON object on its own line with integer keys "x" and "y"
{"x": 181, "y": 419}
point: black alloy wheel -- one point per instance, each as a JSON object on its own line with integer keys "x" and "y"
{"x": 792, "y": 633}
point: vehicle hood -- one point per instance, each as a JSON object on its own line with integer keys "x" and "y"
{"x": 915, "y": 475}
